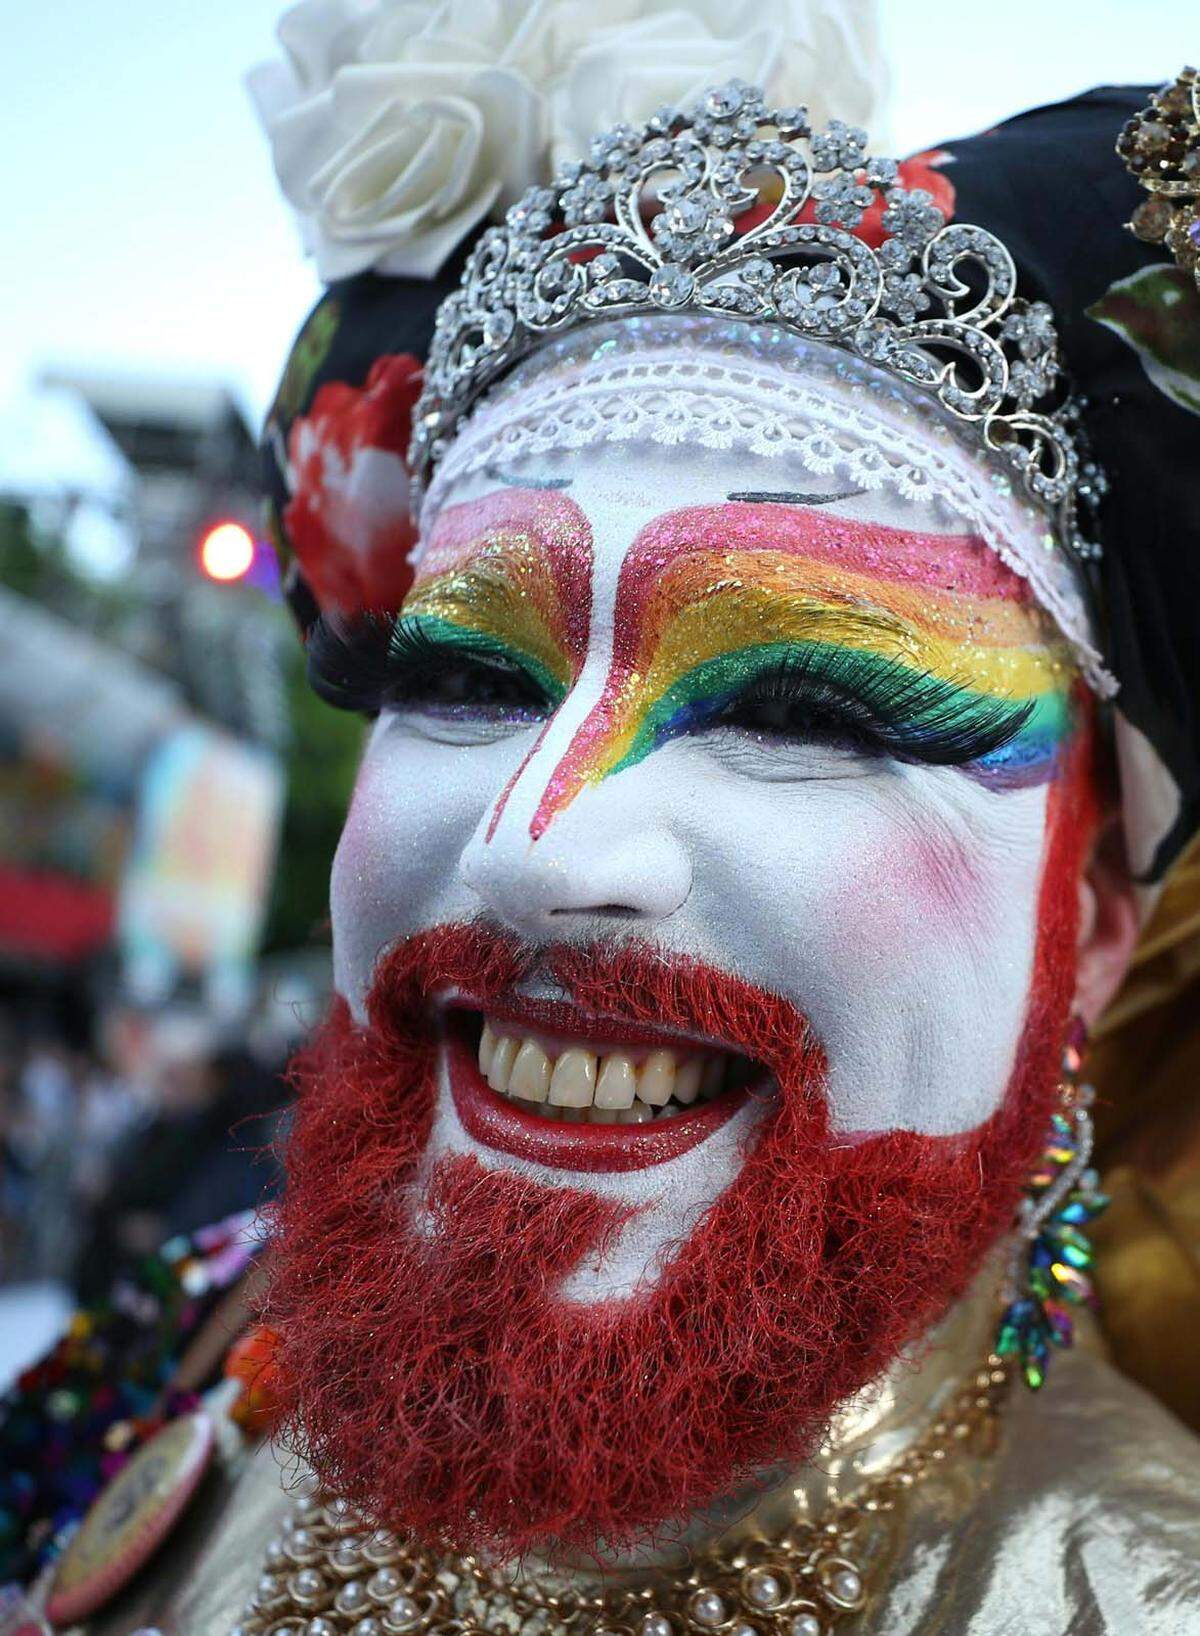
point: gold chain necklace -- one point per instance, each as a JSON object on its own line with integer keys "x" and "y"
{"x": 330, "y": 1573}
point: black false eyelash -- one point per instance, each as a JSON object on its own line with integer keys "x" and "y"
{"x": 911, "y": 715}
{"x": 359, "y": 663}
{"x": 348, "y": 661}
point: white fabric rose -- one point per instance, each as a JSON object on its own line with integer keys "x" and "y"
{"x": 397, "y": 126}
{"x": 822, "y": 54}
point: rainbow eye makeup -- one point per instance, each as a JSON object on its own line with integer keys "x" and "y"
{"x": 793, "y": 626}
{"x": 496, "y": 621}
{"x": 785, "y": 621}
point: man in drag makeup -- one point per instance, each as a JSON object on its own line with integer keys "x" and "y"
{"x": 770, "y": 574}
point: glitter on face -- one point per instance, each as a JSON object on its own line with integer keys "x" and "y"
{"x": 709, "y": 598}
{"x": 514, "y": 566}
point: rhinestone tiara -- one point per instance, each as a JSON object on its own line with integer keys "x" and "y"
{"x": 734, "y": 209}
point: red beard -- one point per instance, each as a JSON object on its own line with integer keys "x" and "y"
{"x": 443, "y": 1384}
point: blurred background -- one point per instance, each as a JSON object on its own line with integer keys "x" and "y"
{"x": 170, "y": 794}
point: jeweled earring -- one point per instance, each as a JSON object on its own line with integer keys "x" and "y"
{"x": 1049, "y": 1272}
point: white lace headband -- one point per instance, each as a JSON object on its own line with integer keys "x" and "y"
{"x": 758, "y": 389}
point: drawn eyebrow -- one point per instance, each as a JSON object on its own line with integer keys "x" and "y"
{"x": 792, "y": 497}
{"x": 509, "y": 481}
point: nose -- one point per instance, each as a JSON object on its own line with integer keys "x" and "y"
{"x": 601, "y": 859}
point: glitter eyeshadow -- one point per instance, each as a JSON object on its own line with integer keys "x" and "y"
{"x": 514, "y": 566}
{"x": 710, "y": 597}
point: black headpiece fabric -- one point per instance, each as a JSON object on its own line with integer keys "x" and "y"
{"x": 1050, "y": 185}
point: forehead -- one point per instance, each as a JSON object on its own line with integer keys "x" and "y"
{"x": 649, "y": 506}
{"x": 620, "y": 428}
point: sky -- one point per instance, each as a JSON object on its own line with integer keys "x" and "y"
{"x": 144, "y": 230}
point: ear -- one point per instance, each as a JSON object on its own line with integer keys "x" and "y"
{"x": 1108, "y": 923}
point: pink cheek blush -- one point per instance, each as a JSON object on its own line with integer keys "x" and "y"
{"x": 938, "y": 880}
{"x": 898, "y": 893}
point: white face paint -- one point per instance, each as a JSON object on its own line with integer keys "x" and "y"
{"x": 894, "y": 902}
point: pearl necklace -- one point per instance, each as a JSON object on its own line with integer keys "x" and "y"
{"x": 331, "y": 1573}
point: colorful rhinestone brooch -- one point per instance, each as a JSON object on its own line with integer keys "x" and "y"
{"x": 1053, "y": 1253}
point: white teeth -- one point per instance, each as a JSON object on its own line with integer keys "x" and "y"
{"x": 530, "y": 1076}
{"x": 487, "y": 1044}
{"x": 503, "y": 1057}
{"x": 603, "y": 1088}
{"x": 687, "y": 1080}
{"x": 617, "y": 1083}
{"x": 573, "y": 1080}
{"x": 657, "y": 1079}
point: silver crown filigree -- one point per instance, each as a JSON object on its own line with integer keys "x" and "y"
{"x": 658, "y": 220}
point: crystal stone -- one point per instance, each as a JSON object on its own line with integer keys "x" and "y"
{"x": 687, "y": 216}
{"x": 725, "y": 100}
{"x": 758, "y": 271}
{"x": 1176, "y": 100}
{"x": 403, "y": 1612}
{"x": 554, "y": 277}
{"x": 671, "y": 285}
{"x": 1151, "y": 219}
{"x": 497, "y": 327}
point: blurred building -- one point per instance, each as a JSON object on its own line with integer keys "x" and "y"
{"x": 142, "y": 709}
{"x": 188, "y": 444}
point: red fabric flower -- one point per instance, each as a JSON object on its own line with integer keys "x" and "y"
{"x": 349, "y": 520}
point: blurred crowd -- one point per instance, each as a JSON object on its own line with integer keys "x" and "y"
{"x": 158, "y": 1126}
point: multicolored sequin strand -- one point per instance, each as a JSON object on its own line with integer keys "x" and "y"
{"x": 71, "y": 1421}
{"x": 1053, "y": 1253}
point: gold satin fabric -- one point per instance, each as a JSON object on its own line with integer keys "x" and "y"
{"x": 1085, "y": 1521}
{"x": 1145, "y": 1063}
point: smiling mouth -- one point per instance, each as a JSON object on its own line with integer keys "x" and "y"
{"x": 595, "y": 1084}
{"x": 585, "y": 1093}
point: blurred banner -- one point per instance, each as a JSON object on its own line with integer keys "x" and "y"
{"x": 194, "y": 890}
